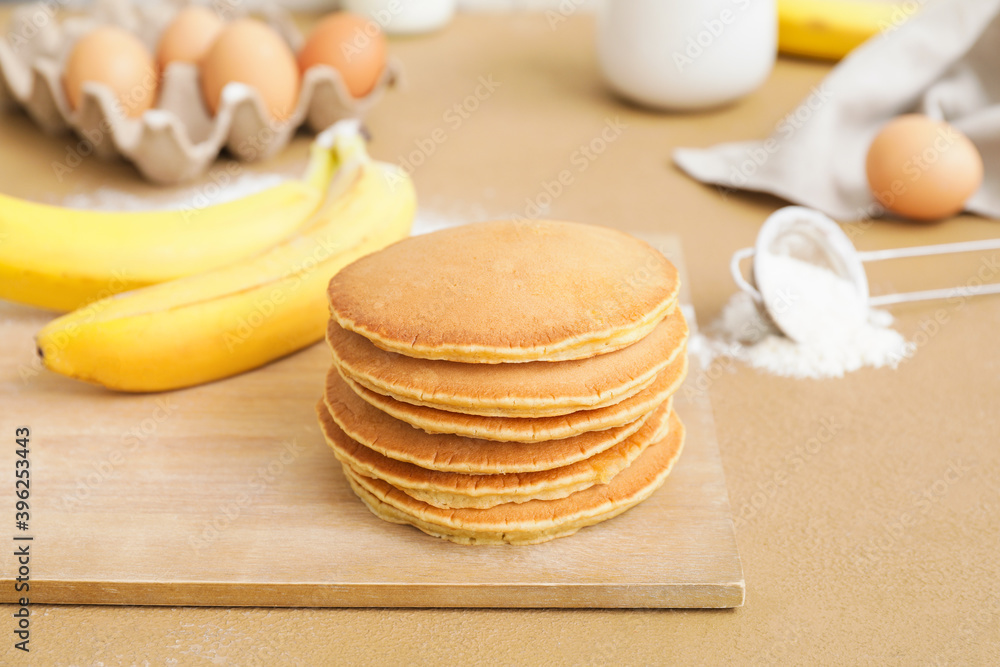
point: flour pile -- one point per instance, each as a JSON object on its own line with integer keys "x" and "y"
{"x": 823, "y": 308}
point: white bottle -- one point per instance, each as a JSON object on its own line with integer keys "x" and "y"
{"x": 686, "y": 54}
{"x": 405, "y": 17}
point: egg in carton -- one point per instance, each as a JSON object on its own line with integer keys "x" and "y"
{"x": 178, "y": 139}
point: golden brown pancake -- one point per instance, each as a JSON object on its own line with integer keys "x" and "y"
{"x": 521, "y": 429}
{"x": 456, "y": 490}
{"x": 536, "y": 520}
{"x": 531, "y": 389}
{"x": 507, "y": 291}
{"x": 454, "y": 453}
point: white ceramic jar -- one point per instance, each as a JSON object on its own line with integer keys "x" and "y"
{"x": 686, "y": 54}
{"x": 405, "y": 17}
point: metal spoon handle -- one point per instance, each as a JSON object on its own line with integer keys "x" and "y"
{"x": 923, "y": 251}
{"x": 927, "y": 295}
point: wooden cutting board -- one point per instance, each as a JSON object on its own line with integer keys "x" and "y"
{"x": 226, "y": 494}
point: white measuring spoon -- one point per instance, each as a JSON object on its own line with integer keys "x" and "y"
{"x": 808, "y": 235}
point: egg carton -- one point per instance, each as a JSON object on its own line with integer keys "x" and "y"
{"x": 179, "y": 139}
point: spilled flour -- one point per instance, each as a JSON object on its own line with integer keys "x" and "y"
{"x": 842, "y": 335}
{"x": 174, "y": 198}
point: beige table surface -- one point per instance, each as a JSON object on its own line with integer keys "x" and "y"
{"x": 833, "y": 575}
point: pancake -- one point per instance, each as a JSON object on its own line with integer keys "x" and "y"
{"x": 507, "y": 291}
{"x": 454, "y": 453}
{"x": 536, "y": 520}
{"x": 456, "y": 490}
{"x": 531, "y": 389}
{"x": 541, "y": 429}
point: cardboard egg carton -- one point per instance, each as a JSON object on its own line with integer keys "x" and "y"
{"x": 179, "y": 139}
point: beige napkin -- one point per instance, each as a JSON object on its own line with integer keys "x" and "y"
{"x": 944, "y": 61}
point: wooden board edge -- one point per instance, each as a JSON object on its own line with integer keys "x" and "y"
{"x": 449, "y": 595}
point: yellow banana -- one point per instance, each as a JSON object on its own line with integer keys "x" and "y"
{"x": 230, "y": 320}
{"x": 61, "y": 258}
{"x": 830, "y": 29}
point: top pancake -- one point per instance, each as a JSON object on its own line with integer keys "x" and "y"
{"x": 507, "y": 291}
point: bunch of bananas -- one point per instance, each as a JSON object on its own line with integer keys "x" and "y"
{"x": 205, "y": 294}
{"x": 830, "y": 29}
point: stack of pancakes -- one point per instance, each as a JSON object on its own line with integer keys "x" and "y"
{"x": 505, "y": 382}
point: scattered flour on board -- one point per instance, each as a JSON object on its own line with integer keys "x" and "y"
{"x": 197, "y": 196}
{"x": 744, "y": 333}
{"x": 441, "y": 213}
{"x": 431, "y": 221}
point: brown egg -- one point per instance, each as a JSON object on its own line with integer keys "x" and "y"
{"x": 116, "y": 58}
{"x": 352, "y": 45}
{"x": 189, "y": 36}
{"x": 923, "y": 169}
{"x": 250, "y": 52}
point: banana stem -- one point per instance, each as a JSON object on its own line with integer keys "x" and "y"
{"x": 340, "y": 144}
{"x": 320, "y": 169}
